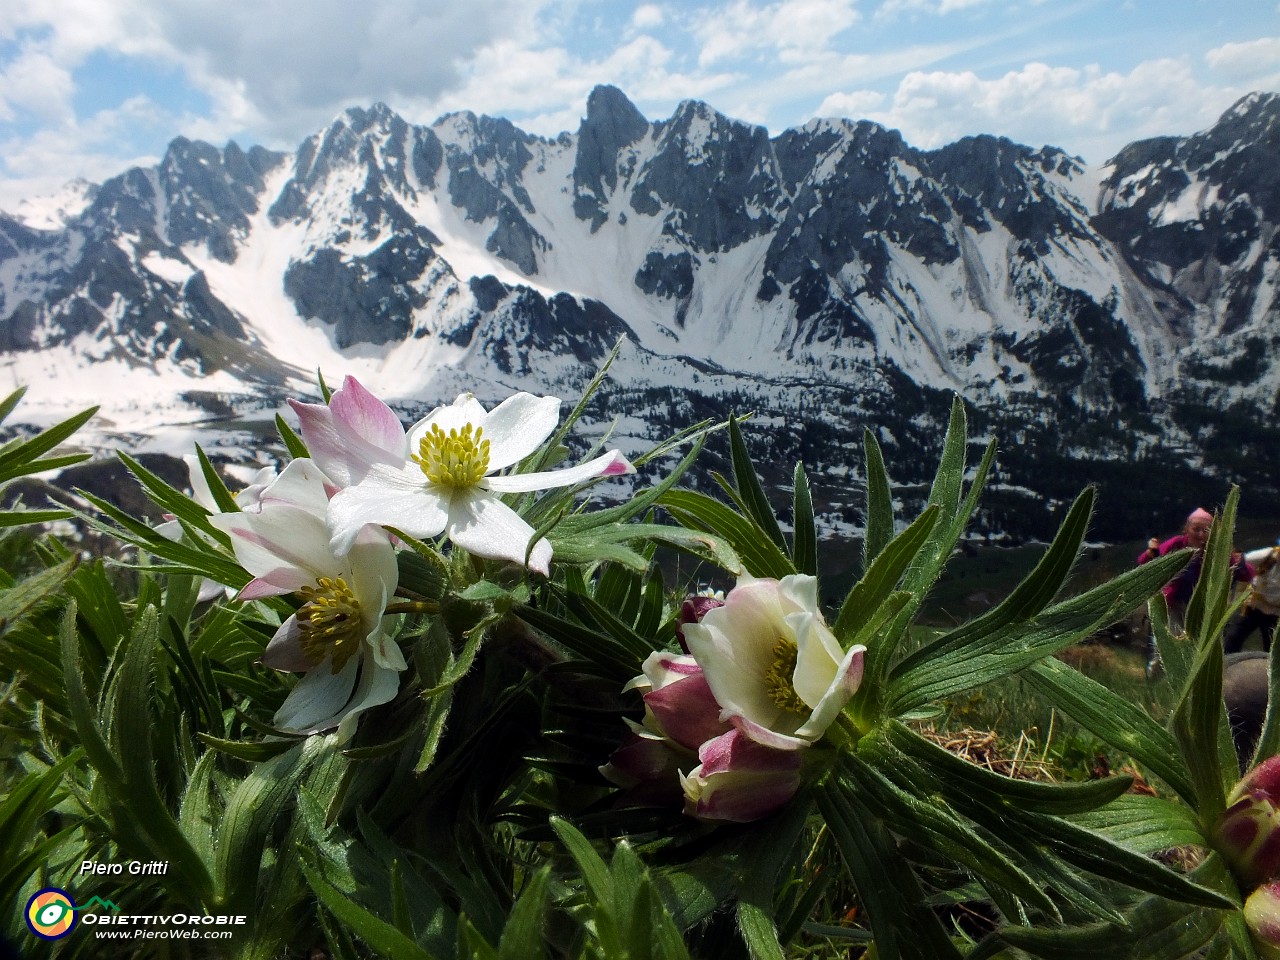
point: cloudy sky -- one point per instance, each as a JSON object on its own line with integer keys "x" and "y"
{"x": 91, "y": 87}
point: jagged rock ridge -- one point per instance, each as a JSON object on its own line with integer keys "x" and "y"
{"x": 831, "y": 276}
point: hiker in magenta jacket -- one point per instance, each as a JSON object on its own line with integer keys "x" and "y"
{"x": 1177, "y": 592}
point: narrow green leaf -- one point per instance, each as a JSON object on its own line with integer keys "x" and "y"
{"x": 522, "y": 938}
{"x": 944, "y": 667}
{"x": 1117, "y": 721}
{"x": 19, "y": 518}
{"x": 1054, "y": 798}
{"x": 1147, "y": 825}
{"x": 16, "y": 458}
{"x": 759, "y": 554}
{"x": 611, "y": 660}
{"x": 292, "y": 442}
{"x": 221, "y": 495}
{"x": 593, "y": 869}
{"x": 804, "y": 539}
{"x": 130, "y": 739}
{"x": 904, "y": 927}
{"x": 931, "y": 821}
{"x": 882, "y": 576}
{"x": 250, "y": 816}
{"x": 879, "y": 501}
{"x": 749, "y": 489}
{"x": 20, "y": 599}
{"x": 759, "y": 932}
{"x": 1269, "y": 741}
{"x": 381, "y": 937}
{"x": 10, "y": 403}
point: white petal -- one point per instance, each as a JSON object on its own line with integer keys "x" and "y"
{"x": 209, "y": 590}
{"x": 200, "y": 491}
{"x": 352, "y": 432}
{"x": 376, "y": 686}
{"x": 319, "y": 700}
{"x": 396, "y": 498}
{"x": 372, "y": 574}
{"x": 517, "y": 426}
{"x": 800, "y": 590}
{"x": 817, "y": 658}
{"x": 280, "y": 538}
{"x": 610, "y": 464}
{"x": 385, "y": 651}
{"x": 300, "y": 484}
{"x": 844, "y": 685}
{"x": 735, "y": 646}
{"x": 485, "y": 526}
{"x": 465, "y": 409}
{"x": 284, "y": 652}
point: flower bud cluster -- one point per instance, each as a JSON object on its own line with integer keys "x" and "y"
{"x": 728, "y": 720}
{"x": 1248, "y": 836}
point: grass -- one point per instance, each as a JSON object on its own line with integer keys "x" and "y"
{"x": 1007, "y": 727}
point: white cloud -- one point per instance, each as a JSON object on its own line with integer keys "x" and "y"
{"x": 790, "y": 29}
{"x": 40, "y": 164}
{"x": 854, "y": 105}
{"x": 35, "y": 83}
{"x": 1081, "y": 110}
{"x": 647, "y": 16}
{"x": 1251, "y": 60}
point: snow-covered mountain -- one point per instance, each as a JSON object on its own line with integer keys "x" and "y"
{"x": 1115, "y": 325}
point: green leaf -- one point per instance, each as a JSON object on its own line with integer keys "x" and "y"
{"x": 879, "y": 501}
{"x": 947, "y": 666}
{"x": 292, "y": 442}
{"x": 1117, "y": 721}
{"x": 522, "y": 938}
{"x": 382, "y": 937}
{"x": 759, "y": 554}
{"x": 895, "y": 741}
{"x": 19, "y": 458}
{"x": 10, "y": 403}
{"x": 1199, "y": 721}
{"x": 748, "y": 487}
{"x": 883, "y": 574}
{"x": 1147, "y": 825}
{"x": 19, "y": 518}
{"x": 903, "y": 925}
{"x": 918, "y": 812}
{"x": 759, "y": 932}
{"x": 804, "y": 539}
{"x": 252, "y": 810}
{"x": 20, "y": 599}
{"x": 221, "y": 495}
{"x": 599, "y": 884}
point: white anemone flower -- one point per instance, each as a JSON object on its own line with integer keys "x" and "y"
{"x": 337, "y": 637}
{"x": 201, "y": 493}
{"x": 775, "y": 668}
{"x": 448, "y": 482}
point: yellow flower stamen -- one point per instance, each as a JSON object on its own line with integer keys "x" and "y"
{"x": 778, "y": 680}
{"x": 458, "y": 459}
{"x": 329, "y": 622}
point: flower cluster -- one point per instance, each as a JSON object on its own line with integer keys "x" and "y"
{"x": 323, "y": 530}
{"x": 763, "y": 679}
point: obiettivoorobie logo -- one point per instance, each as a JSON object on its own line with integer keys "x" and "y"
{"x": 51, "y": 913}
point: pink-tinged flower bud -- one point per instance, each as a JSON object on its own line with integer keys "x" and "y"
{"x": 1248, "y": 834}
{"x": 740, "y": 780}
{"x": 692, "y": 611}
{"x": 1262, "y": 917}
{"x": 647, "y": 768}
